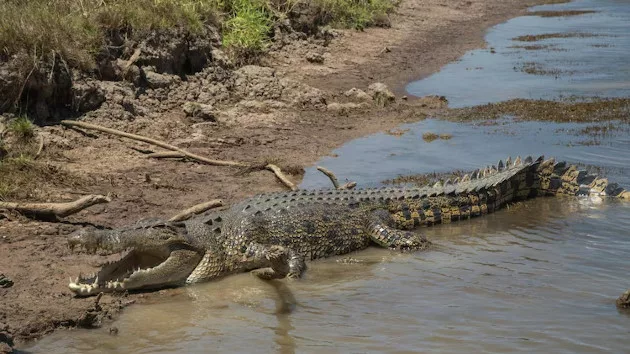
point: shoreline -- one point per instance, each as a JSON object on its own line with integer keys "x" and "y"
{"x": 36, "y": 251}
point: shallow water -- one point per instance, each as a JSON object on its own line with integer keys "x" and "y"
{"x": 577, "y": 66}
{"x": 541, "y": 276}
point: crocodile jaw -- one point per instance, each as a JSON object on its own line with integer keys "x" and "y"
{"x": 117, "y": 276}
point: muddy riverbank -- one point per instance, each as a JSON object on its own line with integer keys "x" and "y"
{"x": 294, "y": 110}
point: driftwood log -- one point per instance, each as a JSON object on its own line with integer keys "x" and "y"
{"x": 61, "y": 210}
{"x": 196, "y": 209}
{"x": 334, "y": 179}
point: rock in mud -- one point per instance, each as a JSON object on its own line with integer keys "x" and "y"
{"x": 156, "y": 80}
{"x": 357, "y": 94}
{"x": 623, "y": 301}
{"x": 381, "y": 94}
{"x": 87, "y": 96}
{"x": 5, "y": 282}
{"x": 6, "y": 341}
{"x": 344, "y": 107}
{"x": 314, "y": 57}
{"x": 199, "y": 111}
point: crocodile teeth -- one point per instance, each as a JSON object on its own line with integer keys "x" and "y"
{"x": 518, "y": 161}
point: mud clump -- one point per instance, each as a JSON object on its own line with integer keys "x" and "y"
{"x": 593, "y": 110}
{"x": 560, "y": 13}
{"x": 623, "y": 302}
{"x": 430, "y": 137}
{"x": 539, "y": 37}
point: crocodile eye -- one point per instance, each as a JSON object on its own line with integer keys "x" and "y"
{"x": 243, "y": 249}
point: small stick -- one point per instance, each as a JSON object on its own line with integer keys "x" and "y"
{"x": 334, "y": 179}
{"x": 165, "y": 155}
{"x": 40, "y": 148}
{"x": 196, "y": 209}
{"x": 349, "y": 185}
{"x": 56, "y": 209}
{"x": 330, "y": 175}
{"x": 275, "y": 169}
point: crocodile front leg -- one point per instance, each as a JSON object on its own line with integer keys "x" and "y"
{"x": 268, "y": 262}
{"x": 388, "y": 237}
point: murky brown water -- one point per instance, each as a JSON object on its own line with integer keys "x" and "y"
{"x": 539, "y": 277}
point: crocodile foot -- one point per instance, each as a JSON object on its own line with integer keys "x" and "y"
{"x": 278, "y": 258}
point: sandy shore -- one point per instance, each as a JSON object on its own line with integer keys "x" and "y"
{"x": 425, "y": 35}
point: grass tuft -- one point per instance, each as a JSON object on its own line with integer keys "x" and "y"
{"x": 357, "y": 14}
{"x": 22, "y": 127}
{"x": 247, "y": 31}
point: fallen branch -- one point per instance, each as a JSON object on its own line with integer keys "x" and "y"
{"x": 349, "y": 185}
{"x": 275, "y": 169}
{"x": 165, "y": 155}
{"x": 196, "y": 209}
{"x": 56, "y": 209}
{"x": 334, "y": 180}
{"x": 330, "y": 175}
{"x": 69, "y": 123}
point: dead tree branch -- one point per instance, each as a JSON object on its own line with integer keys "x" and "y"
{"x": 281, "y": 176}
{"x": 56, "y": 209}
{"x": 275, "y": 169}
{"x": 151, "y": 141}
{"x": 334, "y": 179}
{"x": 165, "y": 155}
{"x": 196, "y": 209}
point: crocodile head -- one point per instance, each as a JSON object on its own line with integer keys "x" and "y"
{"x": 153, "y": 257}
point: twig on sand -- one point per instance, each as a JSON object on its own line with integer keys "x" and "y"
{"x": 56, "y": 209}
{"x": 40, "y": 148}
{"x": 165, "y": 155}
{"x": 281, "y": 176}
{"x": 196, "y": 209}
{"x": 334, "y": 180}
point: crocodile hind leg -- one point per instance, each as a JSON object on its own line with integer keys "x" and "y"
{"x": 388, "y": 237}
{"x": 271, "y": 262}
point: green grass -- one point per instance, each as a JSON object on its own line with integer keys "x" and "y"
{"x": 76, "y": 30}
{"x": 246, "y": 32}
{"x": 22, "y": 127}
{"x": 357, "y": 14}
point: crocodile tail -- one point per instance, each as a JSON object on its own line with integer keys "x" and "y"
{"x": 561, "y": 178}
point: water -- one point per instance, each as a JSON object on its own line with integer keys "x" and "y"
{"x": 541, "y": 276}
{"x": 576, "y": 66}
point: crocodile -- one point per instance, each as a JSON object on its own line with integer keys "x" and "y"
{"x": 273, "y": 235}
